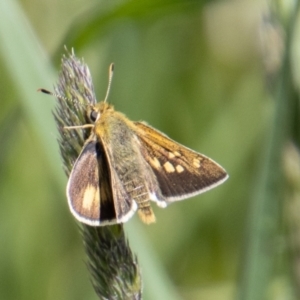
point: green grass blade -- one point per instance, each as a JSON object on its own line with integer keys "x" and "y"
{"x": 264, "y": 219}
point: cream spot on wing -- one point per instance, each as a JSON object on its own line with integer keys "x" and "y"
{"x": 169, "y": 167}
{"x": 171, "y": 155}
{"x": 179, "y": 169}
{"x": 91, "y": 197}
{"x": 196, "y": 163}
{"x": 177, "y": 153}
{"x": 155, "y": 163}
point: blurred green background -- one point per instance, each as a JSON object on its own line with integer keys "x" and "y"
{"x": 203, "y": 72}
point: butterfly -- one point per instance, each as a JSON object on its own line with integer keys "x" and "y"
{"x": 126, "y": 165}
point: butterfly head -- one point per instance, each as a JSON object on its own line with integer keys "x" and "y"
{"x": 94, "y": 113}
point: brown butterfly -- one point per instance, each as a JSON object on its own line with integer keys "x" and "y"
{"x": 124, "y": 165}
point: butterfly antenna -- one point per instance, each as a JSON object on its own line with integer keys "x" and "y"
{"x": 110, "y": 76}
{"x": 52, "y": 94}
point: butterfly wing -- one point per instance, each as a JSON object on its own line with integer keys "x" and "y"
{"x": 180, "y": 171}
{"x": 89, "y": 189}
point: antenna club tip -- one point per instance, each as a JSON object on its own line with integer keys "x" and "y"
{"x": 44, "y": 91}
{"x": 112, "y": 67}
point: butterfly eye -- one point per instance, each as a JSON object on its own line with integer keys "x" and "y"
{"x": 93, "y": 116}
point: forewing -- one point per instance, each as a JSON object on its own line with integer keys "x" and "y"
{"x": 89, "y": 189}
{"x": 180, "y": 171}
